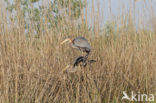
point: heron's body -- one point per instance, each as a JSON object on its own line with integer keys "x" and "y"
{"x": 82, "y": 44}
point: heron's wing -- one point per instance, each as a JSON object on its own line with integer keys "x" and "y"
{"x": 81, "y": 42}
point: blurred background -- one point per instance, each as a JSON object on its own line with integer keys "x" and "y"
{"x": 95, "y": 13}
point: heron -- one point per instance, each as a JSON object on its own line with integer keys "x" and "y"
{"x": 80, "y": 43}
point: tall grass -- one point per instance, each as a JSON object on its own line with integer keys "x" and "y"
{"x": 31, "y": 67}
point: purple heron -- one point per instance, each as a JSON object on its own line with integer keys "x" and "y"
{"x": 80, "y": 43}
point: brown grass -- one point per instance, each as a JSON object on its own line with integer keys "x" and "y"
{"x": 31, "y": 68}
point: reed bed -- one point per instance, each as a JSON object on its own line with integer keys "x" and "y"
{"x": 31, "y": 65}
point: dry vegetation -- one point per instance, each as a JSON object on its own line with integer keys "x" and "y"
{"x": 31, "y": 67}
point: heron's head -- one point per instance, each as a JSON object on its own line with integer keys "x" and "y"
{"x": 66, "y": 40}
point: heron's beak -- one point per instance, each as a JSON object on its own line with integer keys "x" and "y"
{"x": 66, "y": 40}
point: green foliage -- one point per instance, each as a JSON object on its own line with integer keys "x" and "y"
{"x": 109, "y": 27}
{"x": 54, "y": 12}
{"x": 72, "y": 7}
{"x": 33, "y": 1}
